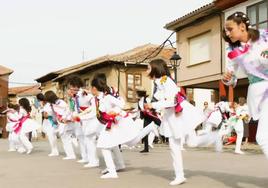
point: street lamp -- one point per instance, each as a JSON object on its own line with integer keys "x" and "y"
{"x": 175, "y": 61}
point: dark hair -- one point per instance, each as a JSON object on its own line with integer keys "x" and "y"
{"x": 141, "y": 93}
{"x": 75, "y": 81}
{"x": 99, "y": 83}
{"x": 24, "y": 102}
{"x": 192, "y": 102}
{"x": 13, "y": 106}
{"x": 240, "y": 17}
{"x": 40, "y": 97}
{"x": 51, "y": 97}
{"x": 223, "y": 98}
{"x": 158, "y": 69}
{"x": 236, "y": 100}
{"x": 102, "y": 76}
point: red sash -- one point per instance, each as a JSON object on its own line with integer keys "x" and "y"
{"x": 83, "y": 108}
{"x": 18, "y": 126}
{"x": 178, "y": 100}
{"x": 109, "y": 119}
{"x": 237, "y": 52}
{"x": 151, "y": 114}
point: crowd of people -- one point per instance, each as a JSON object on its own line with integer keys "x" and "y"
{"x": 95, "y": 120}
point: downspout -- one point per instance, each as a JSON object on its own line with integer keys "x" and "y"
{"x": 118, "y": 79}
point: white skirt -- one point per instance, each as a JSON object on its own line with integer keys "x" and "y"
{"x": 92, "y": 127}
{"x": 255, "y": 94}
{"x": 215, "y": 118}
{"x": 120, "y": 133}
{"x": 9, "y": 126}
{"x": 178, "y": 125}
{"x": 48, "y": 128}
{"x": 29, "y": 125}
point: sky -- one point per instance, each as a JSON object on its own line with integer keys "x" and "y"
{"x": 41, "y": 36}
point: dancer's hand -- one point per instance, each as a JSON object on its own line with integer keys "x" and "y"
{"x": 227, "y": 76}
{"x": 148, "y": 106}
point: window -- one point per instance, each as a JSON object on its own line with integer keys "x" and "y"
{"x": 199, "y": 48}
{"x": 86, "y": 81}
{"x": 133, "y": 80}
{"x": 258, "y": 15}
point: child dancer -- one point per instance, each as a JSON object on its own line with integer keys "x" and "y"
{"x": 74, "y": 92}
{"x": 12, "y": 119}
{"x": 120, "y": 128}
{"x": 179, "y": 116}
{"x": 248, "y": 51}
{"x": 60, "y": 119}
{"x": 90, "y": 126}
{"x": 148, "y": 117}
{"x": 25, "y": 124}
{"x": 50, "y": 125}
{"x": 236, "y": 122}
{"x": 216, "y": 117}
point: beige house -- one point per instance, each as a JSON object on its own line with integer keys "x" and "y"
{"x": 29, "y": 92}
{"x": 200, "y": 44}
{"x": 4, "y": 79}
{"x": 124, "y": 71}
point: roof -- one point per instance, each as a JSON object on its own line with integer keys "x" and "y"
{"x": 216, "y": 6}
{"x": 5, "y": 70}
{"x": 138, "y": 55}
{"x": 191, "y": 16}
{"x": 225, "y": 4}
{"x": 24, "y": 90}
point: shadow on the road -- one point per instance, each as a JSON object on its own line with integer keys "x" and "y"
{"x": 230, "y": 180}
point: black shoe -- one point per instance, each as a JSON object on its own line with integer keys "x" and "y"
{"x": 144, "y": 151}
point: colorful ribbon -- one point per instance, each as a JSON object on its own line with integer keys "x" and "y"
{"x": 18, "y": 126}
{"x": 178, "y": 100}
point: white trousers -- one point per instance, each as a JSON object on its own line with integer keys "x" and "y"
{"x": 175, "y": 151}
{"x": 151, "y": 137}
{"x": 239, "y": 129}
{"x": 66, "y": 139}
{"x": 82, "y": 146}
{"x": 204, "y": 139}
{"x": 262, "y": 131}
{"x": 113, "y": 159}
{"x": 13, "y": 140}
{"x": 52, "y": 139}
{"x": 207, "y": 128}
{"x": 91, "y": 149}
{"x": 81, "y": 140}
{"x": 145, "y": 131}
{"x": 25, "y": 141}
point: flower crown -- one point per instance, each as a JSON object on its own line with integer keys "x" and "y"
{"x": 244, "y": 18}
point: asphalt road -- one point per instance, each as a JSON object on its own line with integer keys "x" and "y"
{"x": 203, "y": 169}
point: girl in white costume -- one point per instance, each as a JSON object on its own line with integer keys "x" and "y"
{"x": 12, "y": 119}
{"x": 236, "y": 122}
{"x": 25, "y": 124}
{"x": 119, "y": 127}
{"x": 50, "y": 127}
{"x": 62, "y": 123}
{"x": 216, "y": 116}
{"x": 74, "y": 93}
{"x": 248, "y": 51}
{"x": 179, "y": 116}
{"x": 90, "y": 126}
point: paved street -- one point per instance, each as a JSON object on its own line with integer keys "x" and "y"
{"x": 203, "y": 168}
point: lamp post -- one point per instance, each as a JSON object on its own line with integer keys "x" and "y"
{"x": 175, "y": 61}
